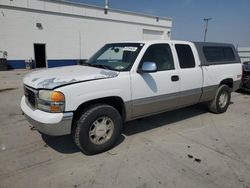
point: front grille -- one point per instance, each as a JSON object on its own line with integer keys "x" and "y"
{"x": 30, "y": 96}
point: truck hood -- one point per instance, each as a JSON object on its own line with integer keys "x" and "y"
{"x": 56, "y": 77}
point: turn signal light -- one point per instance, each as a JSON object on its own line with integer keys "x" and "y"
{"x": 57, "y": 96}
{"x": 55, "y": 108}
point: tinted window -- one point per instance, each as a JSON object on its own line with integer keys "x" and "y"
{"x": 161, "y": 55}
{"x": 185, "y": 56}
{"x": 218, "y": 53}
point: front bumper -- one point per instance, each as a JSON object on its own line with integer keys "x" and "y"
{"x": 54, "y": 124}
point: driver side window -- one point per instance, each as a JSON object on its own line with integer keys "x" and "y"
{"x": 161, "y": 55}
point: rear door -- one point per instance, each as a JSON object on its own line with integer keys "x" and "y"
{"x": 190, "y": 74}
{"x": 155, "y": 92}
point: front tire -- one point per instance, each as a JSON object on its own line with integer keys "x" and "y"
{"x": 221, "y": 100}
{"x": 97, "y": 129}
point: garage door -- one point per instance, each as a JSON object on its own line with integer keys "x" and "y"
{"x": 152, "y": 34}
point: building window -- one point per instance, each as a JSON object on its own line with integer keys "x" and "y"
{"x": 185, "y": 56}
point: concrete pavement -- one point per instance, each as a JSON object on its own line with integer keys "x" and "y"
{"x": 188, "y": 147}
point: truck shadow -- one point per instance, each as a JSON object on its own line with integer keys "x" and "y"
{"x": 243, "y": 91}
{"x": 62, "y": 144}
{"x": 65, "y": 144}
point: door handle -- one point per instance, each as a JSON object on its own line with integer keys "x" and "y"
{"x": 174, "y": 78}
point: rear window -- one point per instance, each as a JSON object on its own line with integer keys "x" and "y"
{"x": 217, "y": 53}
{"x": 185, "y": 56}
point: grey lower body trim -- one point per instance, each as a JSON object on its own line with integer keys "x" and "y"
{"x": 157, "y": 104}
{"x": 153, "y": 105}
{"x": 208, "y": 93}
{"x": 128, "y": 110}
{"x": 59, "y": 129}
{"x": 236, "y": 85}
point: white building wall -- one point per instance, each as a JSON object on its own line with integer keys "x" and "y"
{"x": 70, "y": 31}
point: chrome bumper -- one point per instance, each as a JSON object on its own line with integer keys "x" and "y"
{"x": 54, "y": 124}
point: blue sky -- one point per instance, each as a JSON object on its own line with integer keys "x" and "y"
{"x": 230, "y": 23}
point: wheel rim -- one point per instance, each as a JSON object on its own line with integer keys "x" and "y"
{"x": 101, "y": 130}
{"x": 223, "y": 99}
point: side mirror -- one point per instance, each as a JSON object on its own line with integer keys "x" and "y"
{"x": 148, "y": 67}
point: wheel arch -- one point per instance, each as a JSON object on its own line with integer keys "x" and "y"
{"x": 228, "y": 81}
{"x": 114, "y": 101}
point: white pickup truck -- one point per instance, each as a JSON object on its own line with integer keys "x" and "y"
{"x": 125, "y": 81}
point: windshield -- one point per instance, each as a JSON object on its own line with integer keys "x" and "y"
{"x": 116, "y": 56}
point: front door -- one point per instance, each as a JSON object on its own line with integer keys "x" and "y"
{"x": 155, "y": 92}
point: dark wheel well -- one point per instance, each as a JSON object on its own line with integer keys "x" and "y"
{"x": 116, "y": 102}
{"x": 229, "y": 82}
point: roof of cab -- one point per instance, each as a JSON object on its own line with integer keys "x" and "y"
{"x": 152, "y": 41}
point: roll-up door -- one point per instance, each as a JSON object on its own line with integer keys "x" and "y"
{"x": 152, "y": 34}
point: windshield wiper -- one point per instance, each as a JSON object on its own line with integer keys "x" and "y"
{"x": 100, "y": 66}
{"x": 84, "y": 63}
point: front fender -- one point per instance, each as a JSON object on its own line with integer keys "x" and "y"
{"x": 79, "y": 93}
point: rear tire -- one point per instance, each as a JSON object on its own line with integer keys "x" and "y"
{"x": 97, "y": 129}
{"x": 221, "y": 100}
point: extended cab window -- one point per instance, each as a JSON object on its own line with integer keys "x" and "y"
{"x": 161, "y": 55}
{"x": 185, "y": 56}
{"x": 217, "y": 53}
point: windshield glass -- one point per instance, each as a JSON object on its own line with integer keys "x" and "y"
{"x": 116, "y": 56}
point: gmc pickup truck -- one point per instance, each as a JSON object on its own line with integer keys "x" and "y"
{"x": 125, "y": 81}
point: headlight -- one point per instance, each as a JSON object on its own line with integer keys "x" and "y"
{"x": 51, "y": 101}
